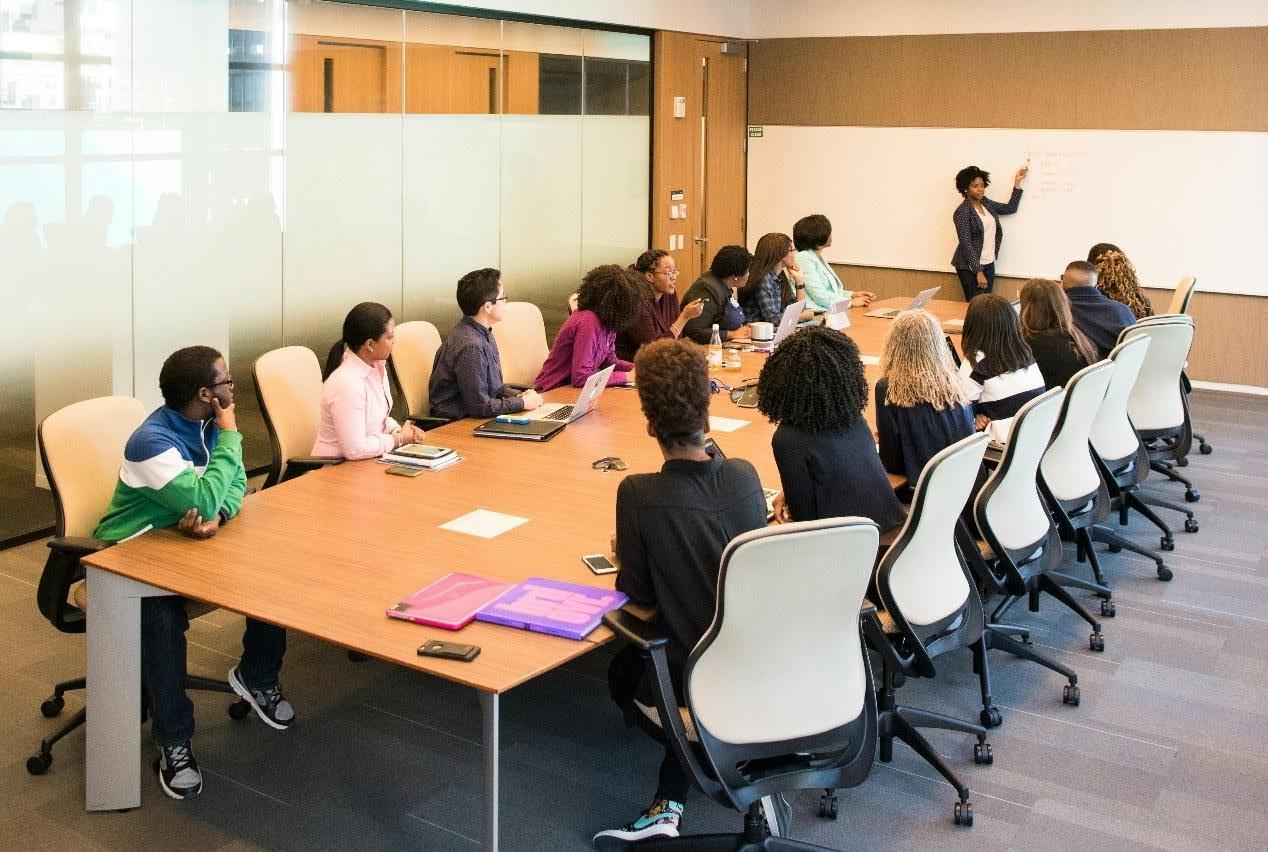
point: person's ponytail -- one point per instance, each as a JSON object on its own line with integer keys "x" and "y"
{"x": 367, "y": 321}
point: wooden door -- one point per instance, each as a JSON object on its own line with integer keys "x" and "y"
{"x": 722, "y": 160}
{"x": 345, "y": 75}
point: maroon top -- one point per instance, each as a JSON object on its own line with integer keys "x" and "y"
{"x": 653, "y": 323}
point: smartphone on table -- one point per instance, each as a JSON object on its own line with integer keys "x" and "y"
{"x": 448, "y": 650}
{"x": 599, "y": 564}
{"x": 402, "y": 470}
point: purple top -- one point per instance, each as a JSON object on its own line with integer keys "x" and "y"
{"x": 654, "y": 321}
{"x": 582, "y": 348}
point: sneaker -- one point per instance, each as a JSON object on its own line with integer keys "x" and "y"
{"x": 269, "y": 704}
{"x": 178, "y": 771}
{"x": 661, "y": 820}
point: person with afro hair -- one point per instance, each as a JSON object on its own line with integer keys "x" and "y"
{"x": 813, "y": 386}
{"x": 608, "y": 302}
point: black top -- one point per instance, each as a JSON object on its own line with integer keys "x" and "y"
{"x": 717, "y": 310}
{"x": 1056, "y": 356}
{"x": 1099, "y": 317}
{"x": 466, "y": 378}
{"x": 909, "y": 437}
{"x": 671, "y": 529}
{"x": 834, "y": 474}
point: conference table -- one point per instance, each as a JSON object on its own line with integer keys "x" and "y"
{"x": 326, "y": 554}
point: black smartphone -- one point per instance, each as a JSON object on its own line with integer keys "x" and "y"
{"x": 402, "y": 470}
{"x": 448, "y": 650}
{"x": 955, "y": 356}
{"x": 598, "y": 563}
{"x": 711, "y": 447}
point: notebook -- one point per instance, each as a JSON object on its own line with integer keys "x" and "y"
{"x": 450, "y": 602}
{"x": 922, "y": 298}
{"x": 556, "y": 417}
{"x": 421, "y": 455}
{"x": 552, "y": 606}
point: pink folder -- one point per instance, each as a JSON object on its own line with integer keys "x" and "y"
{"x": 450, "y": 602}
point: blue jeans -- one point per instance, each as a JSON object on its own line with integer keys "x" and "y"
{"x": 163, "y": 625}
{"x": 968, "y": 281}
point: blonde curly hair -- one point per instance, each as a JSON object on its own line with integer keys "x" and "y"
{"x": 918, "y": 364}
{"x": 1116, "y": 278}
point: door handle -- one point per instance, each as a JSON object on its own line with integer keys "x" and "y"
{"x": 701, "y": 239}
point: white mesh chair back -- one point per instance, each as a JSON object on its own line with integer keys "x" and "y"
{"x": 521, "y": 340}
{"x": 1011, "y": 504}
{"x": 925, "y": 577}
{"x": 783, "y": 658}
{"x": 82, "y": 447}
{"x": 288, "y": 381}
{"x": 1113, "y": 436}
{"x": 1183, "y": 295}
{"x": 1156, "y": 402}
{"x": 1067, "y": 467}
{"x": 413, "y": 356}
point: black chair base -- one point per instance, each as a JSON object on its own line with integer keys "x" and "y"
{"x": 756, "y": 836}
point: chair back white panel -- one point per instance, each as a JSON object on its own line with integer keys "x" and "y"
{"x": 1067, "y": 467}
{"x": 521, "y": 340}
{"x": 926, "y": 580}
{"x": 1014, "y": 508}
{"x": 82, "y": 445}
{"x": 289, "y": 383}
{"x": 783, "y": 658}
{"x": 1156, "y": 401}
{"x": 413, "y": 356}
{"x": 1183, "y": 295}
{"x": 1112, "y": 434}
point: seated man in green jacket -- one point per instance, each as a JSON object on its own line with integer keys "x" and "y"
{"x": 183, "y": 467}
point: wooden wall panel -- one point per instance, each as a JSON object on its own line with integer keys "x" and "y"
{"x": 675, "y": 141}
{"x": 1214, "y": 79}
{"x": 1231, "y": 329}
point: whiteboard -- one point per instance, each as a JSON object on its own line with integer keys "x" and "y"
{"x": 1177, "y": 202}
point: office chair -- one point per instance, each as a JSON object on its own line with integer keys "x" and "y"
{"x": 82, "y": 447}
{"x": 521, "y": 340}
{"x": 288, "y": 387}
{"x": 1071, "y": 485}
{"x": 1120, "y": 452}
{"x": 1019, "y": 551}
{"x": 1180, "y": 301}
{"x": 410, "y": 366}
{"x": 1158, "y": 406}
{"x": 779, "y": 692}
{"x": 928, "y": 606}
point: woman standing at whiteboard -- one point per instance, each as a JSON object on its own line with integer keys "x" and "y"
{"x": 977, "y": 229}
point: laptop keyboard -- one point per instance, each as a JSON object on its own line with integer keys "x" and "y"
{"x": 561, "y": 414}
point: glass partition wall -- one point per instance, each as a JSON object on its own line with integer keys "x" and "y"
{"x": 239, "y": 173}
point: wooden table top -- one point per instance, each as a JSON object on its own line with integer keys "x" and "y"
{"x": 328, "y": 552}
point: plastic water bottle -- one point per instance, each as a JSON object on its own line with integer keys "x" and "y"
{"x": 715, "y": 349}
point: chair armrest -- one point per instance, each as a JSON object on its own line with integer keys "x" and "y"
{"x": 315, "y": 461}
{"x": 77, "y": 547}
{"x": 639, "y": 633}
{"x": 874, "y": 634}
{"x": 425, "y": 423}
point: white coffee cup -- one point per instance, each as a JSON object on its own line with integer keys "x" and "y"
{"x": 763, "y": 332}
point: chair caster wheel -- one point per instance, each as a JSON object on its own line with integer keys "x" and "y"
{"x": 38, "y": 764}
{"x": 1114, "y": 548}
{"x": 1164, "y": 573}
{"x": 828, "y": 806}
{"x": 1108, "y": 609}
{"x": 1191, "y": 525}
{"x": 1192, "y": 496}
{"x": 982, "y": 754}
{"x": 1182, "y": 462}
{"x": 990, "y": 717}
{"x": 1167, "y": 543}
{"x": 1096, "y": 642}
{"x": 238, "y": 710}
{"x": 52, "y": 706}
{"x": 1204, "y": 449}
{"x": 1070, "y": 695}
{"x": 964, "y": 813}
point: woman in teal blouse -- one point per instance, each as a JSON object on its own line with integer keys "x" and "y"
{"x": 824, "y": 289}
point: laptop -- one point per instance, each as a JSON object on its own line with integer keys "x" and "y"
{"x": 787, "y": 323}
{"x": 548, "y": 419}
{"x": 922, "y": 299}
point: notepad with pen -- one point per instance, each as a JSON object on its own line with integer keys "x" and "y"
{"x": 451, "y": 602}
{"x": 552, "y": 606}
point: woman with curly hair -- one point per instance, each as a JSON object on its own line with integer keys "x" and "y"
{"x": 999, "y": 370}
{"x": 978, "y": 233}
{"x": 1060, "y": 349}
{"x": 921, "y": 408}
{"x": 661, "y": 314}
{"x": 1116, "y": 278}
{"x": 813, "y": 386}
{"x": 671, "y": 529}
{"x": 607, "y": 303}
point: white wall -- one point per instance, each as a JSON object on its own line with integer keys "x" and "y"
{"x": 709, "y": 17}
{"x": 793, "y": 18}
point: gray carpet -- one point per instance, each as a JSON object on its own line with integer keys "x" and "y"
{"x": 1169, "y": 748}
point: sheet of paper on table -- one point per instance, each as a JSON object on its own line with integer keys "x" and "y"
{"x": 483, "y": 523}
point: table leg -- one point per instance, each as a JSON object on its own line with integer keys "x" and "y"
{"x": 489, "y": 709}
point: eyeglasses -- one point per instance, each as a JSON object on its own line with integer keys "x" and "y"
{"x": 609, "y": 463}
{"x": 669, "y": 273}
{"x": 228, "y": 381}
{"x": 500, "y": 299}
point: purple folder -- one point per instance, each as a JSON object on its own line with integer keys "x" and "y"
{"x": 552, "y": 606}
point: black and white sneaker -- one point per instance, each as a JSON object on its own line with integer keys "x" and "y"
{"x": 178, "y": 771}
{"x": 269, "y": 704}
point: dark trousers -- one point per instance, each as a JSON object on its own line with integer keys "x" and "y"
{"x": 968, "y": 281}
{"x": 629, "y": 678}
{"x": 163, "y": 625}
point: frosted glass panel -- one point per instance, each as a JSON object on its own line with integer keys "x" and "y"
{"x": 615, "y": 165}
{"x": 342, "y": 223}
{"x": 452, "y": 199}
{"x": 541, "y": 211}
